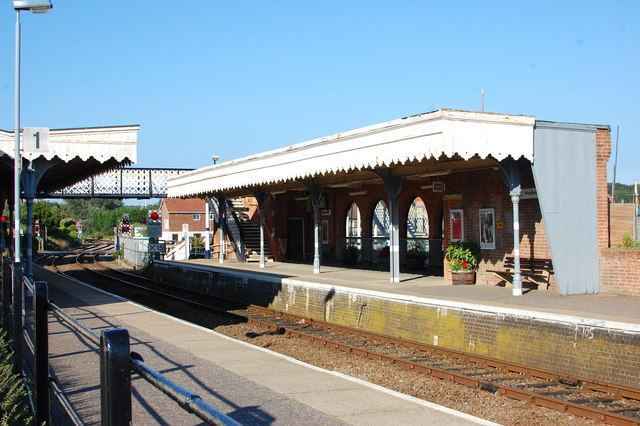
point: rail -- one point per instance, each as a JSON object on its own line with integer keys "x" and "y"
{"x": 117, "y": 363}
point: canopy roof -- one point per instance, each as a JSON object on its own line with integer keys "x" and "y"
{"x": 74, "y": 154}
{"x": 413, "y": 145}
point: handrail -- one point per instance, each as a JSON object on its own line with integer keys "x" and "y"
{"x": 187, "y": 400}
{"x": 66, "y": 405}
{"x": 77, "y": 325}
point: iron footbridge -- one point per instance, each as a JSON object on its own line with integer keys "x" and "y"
{"x": 136, "y": 183}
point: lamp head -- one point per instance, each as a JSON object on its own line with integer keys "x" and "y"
{"x": 35, "y": 6}
{"x": 215, "y": 159}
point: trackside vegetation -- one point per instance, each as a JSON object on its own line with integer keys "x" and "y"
{"x": 14, "y": 409}
{"x": 98, "y": 218}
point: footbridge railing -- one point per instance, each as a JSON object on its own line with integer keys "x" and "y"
{"x": 117, "y": 364}
{"x": 120, "y": 183}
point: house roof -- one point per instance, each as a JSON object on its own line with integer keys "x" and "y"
{"x": 421, "y": 139}
{"x": 184, "y": 205}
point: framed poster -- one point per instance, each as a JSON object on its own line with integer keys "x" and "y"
{"x": 325, "y": 232}
{"x": 456, "y": 222}
{"x": 487, "y": 229}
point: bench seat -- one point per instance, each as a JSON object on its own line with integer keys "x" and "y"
{"x": 536, "y": 271}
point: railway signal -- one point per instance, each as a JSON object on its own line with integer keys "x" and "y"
{"x": 154, "y": 224}
{"x": 125, "y": 225}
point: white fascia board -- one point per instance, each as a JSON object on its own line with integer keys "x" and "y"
{"x": 100, "y": 143}
{"x": 395, "y": 142}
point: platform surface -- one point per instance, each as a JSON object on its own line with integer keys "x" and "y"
{"x": 623, "y": 309}
{"x": 252, "y": 385}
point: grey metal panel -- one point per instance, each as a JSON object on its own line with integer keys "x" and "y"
{"x": 564, "y": 169}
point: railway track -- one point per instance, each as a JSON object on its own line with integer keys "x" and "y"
{"x": 579, "y": 396}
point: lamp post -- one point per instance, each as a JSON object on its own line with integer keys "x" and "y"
{"x": 35, "y": 6}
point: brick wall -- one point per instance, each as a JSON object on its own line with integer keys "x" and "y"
{"x": 620, "y": 271}
{"x": 603, "y": 151}
{"x": 620, "y": 222}
{"x": 555, "y": 342}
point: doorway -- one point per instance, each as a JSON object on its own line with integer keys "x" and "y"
{"x": 295, "y": 239}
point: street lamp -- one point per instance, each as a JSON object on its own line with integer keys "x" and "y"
{"x": 35, "y": 6}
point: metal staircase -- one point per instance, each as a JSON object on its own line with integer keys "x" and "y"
{"x": 250, "y": 233}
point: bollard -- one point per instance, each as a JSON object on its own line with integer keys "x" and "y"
{"x": 115, "y": 377}
{"x": 41, "y": 307}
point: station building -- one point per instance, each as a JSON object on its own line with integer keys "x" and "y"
{"x": 517, "y": 186}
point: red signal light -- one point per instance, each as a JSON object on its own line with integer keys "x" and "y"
{"x": 154, "y": 215}
{"x": 3, "y": 218}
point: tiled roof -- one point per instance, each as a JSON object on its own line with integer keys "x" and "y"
{"x": 184, "y": 205}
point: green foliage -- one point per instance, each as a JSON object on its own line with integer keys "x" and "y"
{"x": 628, "y": 241}
{"x": 13, "y": 407}
{"x": 462, "y": 256}
{"x": 624, "y": 193}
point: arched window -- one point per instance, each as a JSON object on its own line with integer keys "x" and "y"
{"x": 380, "y": 221}
{"x": 418, "y": 226}
{"x": 380, "y": 225}
{"x": 353, "y": 224}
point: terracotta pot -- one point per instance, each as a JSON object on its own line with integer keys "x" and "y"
{"x": 463, "y": 277}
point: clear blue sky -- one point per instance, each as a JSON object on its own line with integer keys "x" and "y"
{"x": 239, "y": 77}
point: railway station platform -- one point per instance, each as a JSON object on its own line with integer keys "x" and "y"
{"x": 248, "y": 383}
{"x": 595, "y": 336}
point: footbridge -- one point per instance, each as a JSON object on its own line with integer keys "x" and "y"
{"x": 139, "y": 183}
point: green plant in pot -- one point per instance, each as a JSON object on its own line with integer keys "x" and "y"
{"x": 415, "y": 257}
{"x": 462, "y": 259}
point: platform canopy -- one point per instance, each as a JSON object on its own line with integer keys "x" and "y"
{"x": 72, "y": 154}
{"x": 437, "y": 142}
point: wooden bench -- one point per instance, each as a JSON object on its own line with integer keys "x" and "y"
{"x": 536, "y": 271}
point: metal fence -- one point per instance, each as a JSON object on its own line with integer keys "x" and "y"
{"x": 136, "y": 250}
{"x": 117, "y": 362}
{"x": 375, "y": 249}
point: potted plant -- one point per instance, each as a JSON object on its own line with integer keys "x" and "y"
{"x": 350, "y": 255}
{"x": 462, "y": 259}
{"x": 415, "y": 257}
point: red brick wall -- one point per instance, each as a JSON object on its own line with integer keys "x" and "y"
{"x": 620, "y": 271}
{"x": 486, "y": 189}
{"x": 603, "y": 151}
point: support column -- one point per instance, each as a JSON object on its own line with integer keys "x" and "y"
{"x": 261, "y": 219}
{"x": 512, "y": 175}
{"x": 315, "y": 192}
{"x": 222, "y": 216}
{"x": 393, "y": 184}
{"x": 261, "y": 198}
{"x": 207, "y": 243}
{"x": 517, "y": 276}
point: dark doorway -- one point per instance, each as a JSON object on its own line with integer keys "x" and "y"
{"x": 295, "y": 239}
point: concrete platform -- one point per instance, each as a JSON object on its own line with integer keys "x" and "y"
{"x": 595, "y": 306}
{"x": 252, "y": 385}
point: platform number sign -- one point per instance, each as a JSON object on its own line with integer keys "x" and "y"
{"x": 154, "y": 224}
{"x": 36, "y": 139}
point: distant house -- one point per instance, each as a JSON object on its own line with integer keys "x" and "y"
{"x": 179, "y": 214}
